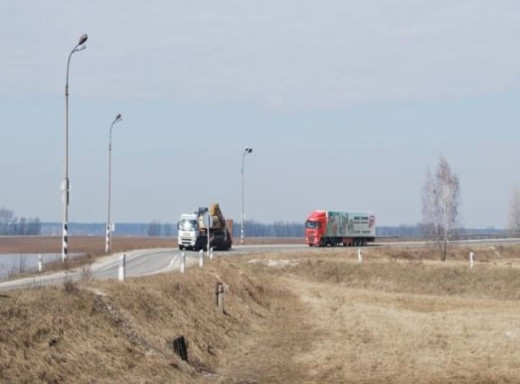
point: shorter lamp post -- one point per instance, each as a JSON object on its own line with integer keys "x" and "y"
{"x": 108, "y": 242}
{"x": 242, "y": 218}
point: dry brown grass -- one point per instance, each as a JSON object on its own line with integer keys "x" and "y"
{"x": 401, "y": 319}
{"x": 307, "y": 317}
{"x": 110, "y": 332}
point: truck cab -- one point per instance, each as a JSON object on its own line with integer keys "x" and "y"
{"x": 315, "y": 228}
{"x": 188, "y": 231}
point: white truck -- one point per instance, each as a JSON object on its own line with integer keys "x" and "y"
{"x": 187, "y": 231}
{"x": 193, "y": 229}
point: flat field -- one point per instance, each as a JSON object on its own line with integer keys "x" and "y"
{"x": 95, "y": 245}
{"x": 92, "y": 245}
{"x": 315, "y": 316}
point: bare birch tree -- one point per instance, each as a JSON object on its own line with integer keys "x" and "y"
{"x": 7, "y": 222}
{"x": 441, "y": 201}
{"x": 514, "y": 213}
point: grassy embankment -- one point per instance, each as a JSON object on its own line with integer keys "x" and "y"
{"x": 316, "y": 316}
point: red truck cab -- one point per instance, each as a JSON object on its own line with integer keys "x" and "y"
{"x": 315, "y": 227}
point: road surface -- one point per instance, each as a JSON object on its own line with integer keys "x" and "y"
{"x": 154, "y": 261}
{"x": 137, "y": 263}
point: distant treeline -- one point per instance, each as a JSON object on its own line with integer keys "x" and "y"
{"x": 251, "y": 229}
{"x": 422, "y": 230}
{"x": 157, "y": 228}
{"x": 275, "y": 229}
{"x": 10, "y": 225}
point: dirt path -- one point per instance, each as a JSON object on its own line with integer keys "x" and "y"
{"x": 320, "y": 332}
{"x": 269, "y": 354}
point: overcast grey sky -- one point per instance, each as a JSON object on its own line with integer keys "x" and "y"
{"x": 346, "y": 104}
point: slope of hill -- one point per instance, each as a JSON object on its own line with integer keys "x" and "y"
{"x": 314, "y": 316}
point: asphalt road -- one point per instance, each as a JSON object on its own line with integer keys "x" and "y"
{"x": 137, "y": 263}
{"x": 154, "y": 261}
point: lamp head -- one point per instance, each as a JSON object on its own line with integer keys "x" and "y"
{"x": 117, "y": 119}
{"x": 248, "y": 150}
{"x": 83, "y": 38}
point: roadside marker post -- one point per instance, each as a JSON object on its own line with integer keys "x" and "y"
{"x": 219, "y": 293}
{"x": 359, "y": 256}
{"x": 183, "y": 261}
{"x": 201, "y": 258}
{"x": 471, "y": 260}
{"x": 122, "y": 265}
{"x": 208, "y": 220}
{"x": 40, "y": 263}
{"x": 211, "y": 253}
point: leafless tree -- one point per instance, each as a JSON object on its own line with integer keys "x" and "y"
{"x": 441, "y": 201}
{"x": 11, "y": 225}
{"x": 154, "y": 228}
{"x": 7, "y": 221}
{"x": 514, "y": 213}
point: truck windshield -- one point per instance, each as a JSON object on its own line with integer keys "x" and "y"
{"x": 312, "y": 224}
{"x": 188, "y": 225}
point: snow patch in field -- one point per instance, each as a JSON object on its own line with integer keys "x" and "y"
{"x": 276, "y": 263}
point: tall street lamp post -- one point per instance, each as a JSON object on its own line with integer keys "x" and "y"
{"x": 66, "y": 183}
{"x": 246, "y": 151}
{"x": 108, "y": 242}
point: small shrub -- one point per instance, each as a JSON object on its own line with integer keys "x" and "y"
{"x": 70, "y": 285}
{"x": 86, "y": 272}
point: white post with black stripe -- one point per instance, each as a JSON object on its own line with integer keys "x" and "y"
{"x": 65, "y": 226}
{"x": 65, "y": 238}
